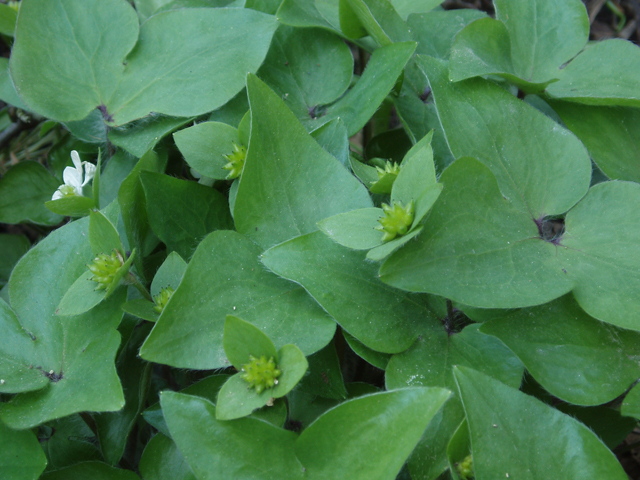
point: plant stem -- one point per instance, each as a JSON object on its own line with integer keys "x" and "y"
{"x": 133, "y": 280}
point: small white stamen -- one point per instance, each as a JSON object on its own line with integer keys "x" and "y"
{"x": 50, "y": 372}
{"x": 2, "y": 382}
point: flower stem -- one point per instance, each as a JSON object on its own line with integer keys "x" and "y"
{"x": 133, "y": 280}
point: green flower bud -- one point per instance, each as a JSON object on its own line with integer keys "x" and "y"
{"x": 465, "y": 468}
{"x": 236, "y": 161}
{"x": 162, "y": 298}
{"x": 104, "y": 269}
{"x": 391, "y": 168}
{"x": 261, "y": 373}
{"x": 396, "y": 221}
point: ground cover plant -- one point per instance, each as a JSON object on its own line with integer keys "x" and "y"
{"x": 324, "y": 239}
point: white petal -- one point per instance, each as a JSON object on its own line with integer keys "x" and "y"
{"x": 89, "y": 172}
{"x": 57, "y": 194}
{"x": 72, "y": 177}
{"x": 75, "y": 158}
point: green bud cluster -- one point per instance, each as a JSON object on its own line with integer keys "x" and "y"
{"x": 104, "y": 269}
{"x": 396, "y": 220}
{"x": 465, "y": 468}
{"x": 162, "y": 298}
{"x": 261, "y": 373}
{"x": 389, "y": 168}
{"x": 236, "y": 161}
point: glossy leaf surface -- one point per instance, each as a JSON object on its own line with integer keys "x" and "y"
{"x": 225, "y": 277}
{"x": 532, "y": 445}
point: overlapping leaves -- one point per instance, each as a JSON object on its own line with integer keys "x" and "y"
{"x": 493, "y": 251}
{"x": 94, "y": 55}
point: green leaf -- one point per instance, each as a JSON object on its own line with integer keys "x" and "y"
{"x": 325, "y": 375}
{"x": 116, "y": 170}
{"x": 78, "y": 350}
{"x": 430, "y": 360}
{"x": 515, "y": 434}
{"x": 81, "y": 297}
{"x": 377, "y": 359}
{"x": 225, "y": 277}
{"x": 618, "y": 64}
{"x": 141, "y": 308}
{"x": 161, "y": 460}
{"x": 408, "y": 7}
{"x": 241, "y": 340}
{"x": 79, "y": 47}
{"x": 16, "y": 351}
{"x": 378, "y": 18}
{"x": 332, "y": 136}
{"x": 270, "y": 211}
{"x": 573, "y": 356}
{"x": 605, "y": 422}
{"x": 142, "y": 136}
{"x": 24, "y": 189}
{"x": 237, "y": 399}
{"x": 205, "y": 145}
{"x": 607, "y": 280}
{"x": 8, "y": 17}
{"x": 307, "y": 68}
{"x": 417, "y": 112}
{"x": 631, "y": 404}
{"x": 181, "y": 213}
{"x": 359, "y": 104}
{"x": 436, "y": 30}
{"x": 429, "y": 458}
{"x": 13, "y": 247}
{"x": 67, "y": 441}
{"x": 501, "y": 261}
{"x": 92, "y": 470}
{"x": 20, "y": 454}
{"x": 352, "y": 440}
{"x": 75, "y": 206}
{"x": 8, "y": 92}
{"x": 129, "y": 71}
{"x": 103, "y": 236}
{"x": 383, "y": 318}
{"x": 169, "y": 274}
{"x": 244, "y": 448}
{"x": 483, "y": 253}
{"x": 114, "y": 427}
{"x": 302, "y": 13}
{"x": 355, "y": 229}
{"x": 527, "y": 43}
{"x": 458, "y": 449}
{"x": 208, "y": 388}
{"x": 611, "y": 134}
{"x": 518, "y": 143}
{"x": 132, "y": 201}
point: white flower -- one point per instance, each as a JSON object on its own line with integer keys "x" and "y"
{"x": 75, "y": 178}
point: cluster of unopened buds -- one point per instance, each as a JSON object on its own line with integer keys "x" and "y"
{"x": 261, "y": 373}
{"x": 161, "y": 299}
{"x": 389, "y": 168}
{"x": 104, "y": 268}
{"x": 236, "y": 161}
{"x": 396, "y": 221}
{"x": 465, "y": 468}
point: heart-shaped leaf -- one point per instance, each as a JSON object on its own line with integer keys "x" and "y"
{"x": 74, "y": 354}
{"x": 94, "y": 55}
